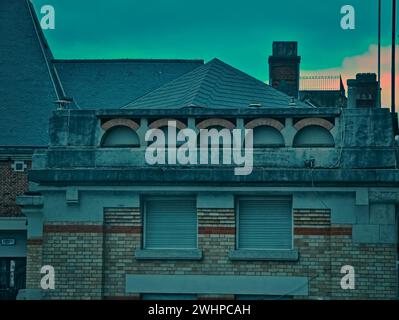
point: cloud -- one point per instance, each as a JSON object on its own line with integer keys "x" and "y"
{"x": 367, "y": 62}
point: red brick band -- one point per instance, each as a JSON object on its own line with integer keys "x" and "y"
{"x": 201, "y": 230}
{"x": 323, "y": 231}
{"x": 34, "y": 242}
{"x": 122, "y": 229}
{"x": 90, "y": 229}
{"x": 341, "y": 231}
{"x": 73, "y": 228}
{"x": 120, "y": 122}
{"x": 216, "y": 230}
{"x": 313, "y": 122}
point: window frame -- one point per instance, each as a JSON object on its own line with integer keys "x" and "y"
{"x": 314, "y": 145}
{"x": 119, "y": 146}
{"x": 21, "y": 163}
{"x": 268, "y": 145}
{"x": 144, "y": 219}
{"x": 237, "y": 221}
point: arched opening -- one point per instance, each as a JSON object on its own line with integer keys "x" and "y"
{"x": 120, "y": 137}
{"x": 215, "y": 122}
{"x": 164, "y": 125}
{"x": 216, "y": 137}
{"x": 267, "y": 137}
{"x": 165, "y": 131}
{"x": 314, "y": 136}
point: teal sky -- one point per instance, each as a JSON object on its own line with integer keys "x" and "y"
{"x": 237, "y": 32}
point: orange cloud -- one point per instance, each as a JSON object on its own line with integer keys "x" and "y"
{"x": 367, "y": 62}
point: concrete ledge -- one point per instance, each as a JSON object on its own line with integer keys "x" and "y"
{"x": 384, "y": 196}
{"x": 27, "y": 200}
{"x": 210, "y": 176}
{"x": 273, "y": 255}
{"x": 211, "y": 200}
{"x": 72, "y": 195}
{"x": 13, "y": 223}
{"x": 166, "y": 254}
{"x": 366, "y": 233}
{"x": 30, "y": 294}
{"x": 249, "y": 112}
{"x": 212, "y": 284}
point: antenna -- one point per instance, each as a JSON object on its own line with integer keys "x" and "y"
{"x": 379, "y": 55}
{"x": 193, "y": 106}
{"x": 62, "y": 103}
{"x": 393, "y": 66}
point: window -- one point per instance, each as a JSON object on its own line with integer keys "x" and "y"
{"x": 170, "y": 223}
{"x": 266, "y": 137}
{"x": 120, "y": 137}
{"x": 12, "y": 277}
{"x": 165, "y": 131}
{"x": 217, "y": 141}
{"x": 216, "y": 137}
{"x": 314, "y": 136}
{"x": 19, "y": 166}
{"x": 264, "y": 223}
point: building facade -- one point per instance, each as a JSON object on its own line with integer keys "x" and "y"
{"x": 77, "y": 193}
{"x": 322, "y": 196}
{"x": 32, "y": 85}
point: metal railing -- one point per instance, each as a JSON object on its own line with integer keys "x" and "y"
{"x": 320, "y": 82}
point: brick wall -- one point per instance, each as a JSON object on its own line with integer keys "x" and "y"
{"x": 76, "y": 253}
{"x": 375, "y": 266}
{"x": 33, "y": 263}
{"x": 91, "y": 261}
{"x": 12, "y": 184}
{"x": 285, "y": 71}
{"x": 122, "y": 230}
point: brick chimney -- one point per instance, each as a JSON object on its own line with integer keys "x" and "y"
{"x": 284, "y": 67}
{"x": 363, "y": 91}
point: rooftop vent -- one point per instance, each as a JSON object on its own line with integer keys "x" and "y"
{"x": 194, "y": 106}
{"x": 292, "y": 102}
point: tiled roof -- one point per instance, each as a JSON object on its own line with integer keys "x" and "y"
{"x": 26, "y": 90}
{"x": 105, "y": 84}
{"x": 214, "y": 85}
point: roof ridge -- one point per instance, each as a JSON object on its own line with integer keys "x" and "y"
{"x": 214, "y": 84}
{"x": 213, "y": 62}
{"x": 46, "y": 51}
{"x": 25, "y": 105}
{"x": 205, "y": 76}
{"x": 166, "y": 84}
{"x": 252, "y": 77}
{"x": 127, "y": 60}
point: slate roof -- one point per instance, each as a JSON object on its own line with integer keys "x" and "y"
{"x": 31, "y": 81}
{"x": 29, "y": 78}
{"x": 26, "y": 90}
{"x": 215, "y": 85}
{"x": 110, "y": 84}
